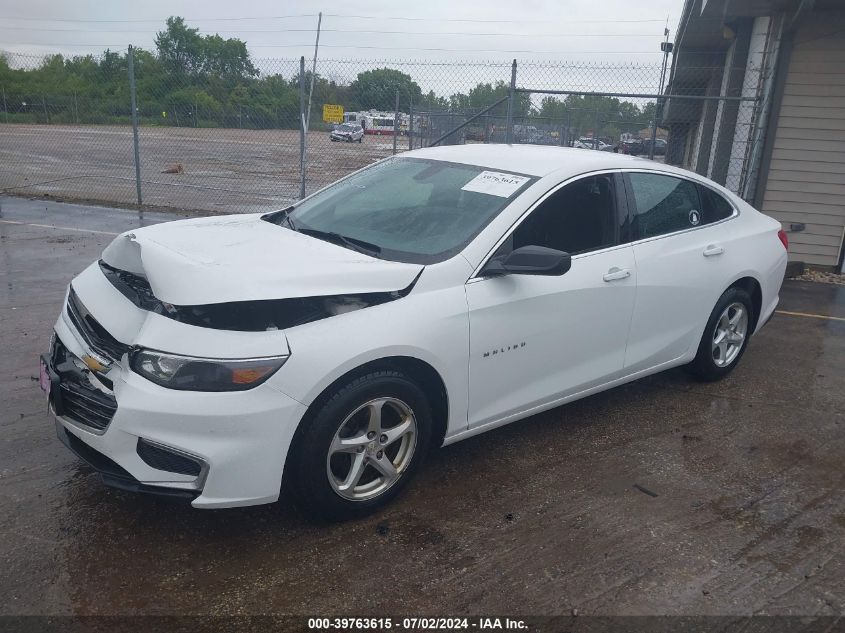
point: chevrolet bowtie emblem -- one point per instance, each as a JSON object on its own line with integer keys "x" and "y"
{"x": 93, "y": 364}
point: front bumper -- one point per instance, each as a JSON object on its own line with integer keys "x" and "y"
{"x": 237, "y": 440}
{"x": 111, "y": 472}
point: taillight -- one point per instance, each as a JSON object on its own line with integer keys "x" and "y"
{"x": 783, "y": 239}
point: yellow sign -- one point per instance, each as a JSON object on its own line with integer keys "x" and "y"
{"x": 332, "y": 113}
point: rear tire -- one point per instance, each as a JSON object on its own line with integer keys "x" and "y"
{"x": 725, "y": 337}
{"x": 361, "y": 447}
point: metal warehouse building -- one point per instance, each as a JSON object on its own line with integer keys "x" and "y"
{"x": 777, "y": 137}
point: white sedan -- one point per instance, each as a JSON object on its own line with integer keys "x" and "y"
{"x": 422, "y": 300}
{"x": 347, "y": 132}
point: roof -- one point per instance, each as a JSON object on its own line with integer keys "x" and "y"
{"x": 533, "y": 160}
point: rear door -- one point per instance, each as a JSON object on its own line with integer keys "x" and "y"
{"x": 682, "y": 247}
{"x": 536, "y": 339}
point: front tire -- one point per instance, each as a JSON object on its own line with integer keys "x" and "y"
{"x": 725, "y": 337}
{"x": 361, "y": 447}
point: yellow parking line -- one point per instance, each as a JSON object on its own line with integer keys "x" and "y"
{"x": 810, "y": 316}
{"x": 57, "y": 228}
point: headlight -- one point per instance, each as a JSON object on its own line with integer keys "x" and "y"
{"x": 203, "y": 374}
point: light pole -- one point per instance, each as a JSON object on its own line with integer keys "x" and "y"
{"x": 666, "y": 46}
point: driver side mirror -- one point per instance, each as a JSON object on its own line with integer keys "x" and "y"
{"x": 529, "y": 260}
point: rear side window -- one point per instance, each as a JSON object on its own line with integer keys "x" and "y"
{"x": 714, "y": 206}
{"x": 663, "y": 204}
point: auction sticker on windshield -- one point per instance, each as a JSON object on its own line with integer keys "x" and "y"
{"x": 495, "y": 183}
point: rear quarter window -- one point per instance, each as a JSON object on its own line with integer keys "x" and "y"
{"x": 714, "y": 206}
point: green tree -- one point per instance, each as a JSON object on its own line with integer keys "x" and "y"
{"x": 433, "y": 103}
{"x": 376, "y": 89}
{"x": 180, "y": 48}
{"x": 484, "y": 95}
{"x": 226, "y": 58}
{"x": 184, "y": 52}
{"x": 603, "y": 116}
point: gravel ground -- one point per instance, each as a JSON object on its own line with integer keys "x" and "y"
{"x": 823, "y": 277}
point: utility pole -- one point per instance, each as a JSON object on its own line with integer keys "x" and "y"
{"x": 666, "y": 47}
{"x": 133, "y": 104}
{"x": 313, "y": 70}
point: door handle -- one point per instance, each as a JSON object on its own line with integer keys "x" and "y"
{"x": 616, "y": 273}
{"x": 713, "y": 250}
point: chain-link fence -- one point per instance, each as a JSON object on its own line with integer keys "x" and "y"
{"x": 259, "y": 136}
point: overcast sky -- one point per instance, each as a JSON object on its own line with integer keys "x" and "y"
{"x": 494, "y": 30}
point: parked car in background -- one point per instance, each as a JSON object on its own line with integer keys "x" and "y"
{"x": 659, "y": 146}
{"x": 475, "y": 132}
{"x": 427, "y": 298}
{"x": 592, "y": 143}
{"x": 632, "y": 147}
{"x": 525, "y": 133}
{"x": 535, "y": 136}
{"x": 348, "y": 132}
{"x": 544, "y": 137}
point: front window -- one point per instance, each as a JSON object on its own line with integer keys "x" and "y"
{"x": 579, "y": 218}
{"x": 413, "y": 210}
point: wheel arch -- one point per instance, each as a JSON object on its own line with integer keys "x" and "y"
{"x": 418, "y": 370}
{"x": 752, "y": 286}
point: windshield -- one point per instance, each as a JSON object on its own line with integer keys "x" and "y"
{"x": 413, "y": 210}
{"x": 346, "y": 128}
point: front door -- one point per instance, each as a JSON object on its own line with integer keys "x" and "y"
{"x": 537, "y": 339}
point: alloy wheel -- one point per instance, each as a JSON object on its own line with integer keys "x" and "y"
{"x": 372, "y": 448}
{"x": 729, "y": 335}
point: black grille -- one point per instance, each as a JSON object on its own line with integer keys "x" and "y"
{"x": 74, "y": 397}
{"x": 87, "y": 406}
{"x": 94, "y": 334}
{"x": 163, "y": 459}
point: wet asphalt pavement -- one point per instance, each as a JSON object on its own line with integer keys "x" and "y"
{"x": 662, "y": 496}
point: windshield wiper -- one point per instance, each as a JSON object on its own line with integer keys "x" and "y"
{"x": 342, "y": 240}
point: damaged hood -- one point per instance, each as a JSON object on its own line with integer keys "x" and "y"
{"x": 243, "y": 258}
